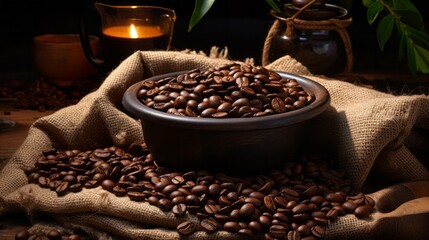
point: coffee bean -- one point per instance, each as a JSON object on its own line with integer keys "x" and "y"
{"x": 62, "y": 188}
{"x": 108, "y": 185}
{"x": 332, "y": 214}
{"x": 136, "y": 196}
{"x": 278, "y": 231}
{"x": 247, "y": 210}
{"x": 254, "y": 201}
{"x": 293, "y": 235}
{"x": 349, "y": 206}
{"x": 210, "y": 225}
{"x": 318, "y": 231}
{"x": 54, "y": 235}
{"x": 22, "y": 235}
{"x": 77, "y": 187}
{"x": 304, "y": 230}
{"x": 118, "y": 191}
{"x": 269, "y": 203}
{"x": 211, "y": 209}
{"x": 335, "y": 197}
{"x": 300, "y": 208}
{"x": 363, "y": 211}
{"x": 186, "y": 228}
{"x": 231, "y": 227}
{"x": 179, "y": 209}
{"x": 165, "y": 204}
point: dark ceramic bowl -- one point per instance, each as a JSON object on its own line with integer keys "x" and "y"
{"x": 230, "y": 144}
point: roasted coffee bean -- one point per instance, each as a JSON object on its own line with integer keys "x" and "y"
{"x": 332, "y": 214}
{"x": 136, "y": 196}
{"x": 270, "y": 203}
{"x": 247, "y": 210}
{"x": 349, "y": 206}
{"x": 92, "y": 183}
{"x": 304, "y": 230}
{"x": 335, "y": 197}
{"x": 118, "y": 191}
{"x": 278, "y": 231}
{"x": 210, "y": 225}
{"x": 22, "y": 235}
{"x": 179, "y": 209}
{"x": 318, "y": 231}
{"x": 363, "y": 211}
{"x": 165, "y": 204}
{"x": 62, "y": 189}
{"x": 77, "y": 187}
{"x": 246, "y": 232}
{"x": 108, "y": 185}
{"x": 54, "y": 235}
{"x": 294, "y": 235}
{"x": 211, "y": 209}
{"x": 186, "y": 228}
{"x": 300, "y": 208}
{"x": 231, "y": 227}
{"x": 254, "y": 201}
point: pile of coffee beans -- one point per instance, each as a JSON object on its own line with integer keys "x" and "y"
{"x": 228, "y": 91}
{"x": 297, "y": 201}
{"x": 42, "y": 95}
{"x": 49, "y": 235}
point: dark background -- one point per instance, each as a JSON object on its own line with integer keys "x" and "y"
{"x": 240, "y": 25}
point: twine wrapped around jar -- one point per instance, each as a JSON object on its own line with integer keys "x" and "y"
{"x": 292, "y": 23}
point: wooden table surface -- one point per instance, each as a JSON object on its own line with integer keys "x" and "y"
{"x": 10, "y": 140}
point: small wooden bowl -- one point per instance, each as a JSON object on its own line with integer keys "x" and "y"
{"x": 238, "y": 145}
{"x": 60, "y": 58}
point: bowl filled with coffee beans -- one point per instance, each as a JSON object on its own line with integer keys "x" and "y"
{"x": 234, "y": 118}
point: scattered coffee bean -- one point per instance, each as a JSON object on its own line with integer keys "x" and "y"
{"x": 22, "y": 235}
{"x": 210, "y": 225}
{"x": 186, "y": 228}
{"x": 51, "y": 235}
{"x": 295, "y": 202}
{"x": 363, "y": 211}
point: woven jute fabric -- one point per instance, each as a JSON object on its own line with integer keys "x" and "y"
{"x": 371, "y": 130}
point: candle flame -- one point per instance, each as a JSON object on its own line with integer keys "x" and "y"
{"x": 133, "y": 31}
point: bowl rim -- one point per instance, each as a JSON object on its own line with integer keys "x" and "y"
{"x": 322, "y": 100}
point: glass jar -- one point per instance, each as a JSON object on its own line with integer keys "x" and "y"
{"x": 314, "y": 43}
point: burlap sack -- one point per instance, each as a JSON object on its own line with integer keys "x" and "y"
{"x": 373, "y": 132}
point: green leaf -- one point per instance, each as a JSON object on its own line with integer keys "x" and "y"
{"x": 366, "y": 3}
{"x": 422, "y": 59}
{"x": 200, "y": 9}
{"x": 274, "y": 5}
{"x": 373, "y": 10}
{"x": 408, "y": 13}
{"x": 402, "y": 46}
{"x": 404, "y": 5}
{"x": 384, "y": 30}
{"x": 420, "y": 38}
{"x": 411, "y": 58}
{"x": 411, "y": 18}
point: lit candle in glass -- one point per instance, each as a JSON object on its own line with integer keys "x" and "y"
{"x": 126, "y": 29}
{"x": 122, "y": 41}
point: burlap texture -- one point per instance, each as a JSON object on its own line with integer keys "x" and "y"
{"x": 372, "y": 131}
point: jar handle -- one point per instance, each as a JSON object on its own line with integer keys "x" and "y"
{"x": 85, "y": 42}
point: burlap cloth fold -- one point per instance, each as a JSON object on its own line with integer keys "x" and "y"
{"x": 373, "y": 132}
